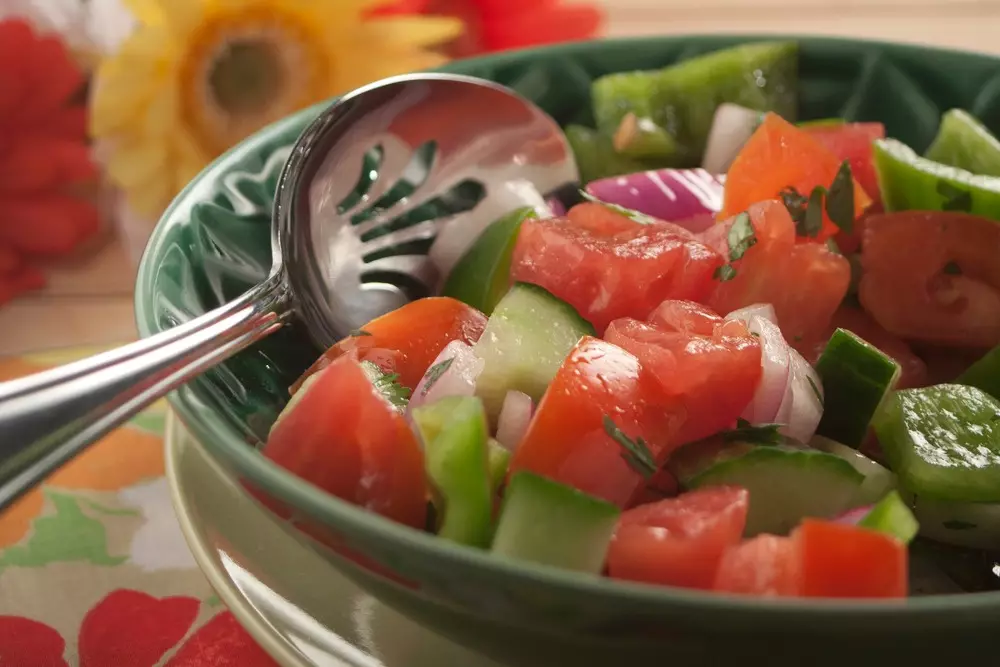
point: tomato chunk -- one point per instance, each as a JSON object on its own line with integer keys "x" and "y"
{"x": 709, "y": 365}
{"x": 778, "y": 156}
{"x": 409, "y": 338}
{"x": 805, "y": 282}
{"x": 853, "y": 142}
{"x": 678, "y": 541}
{"x": 567, "y": 441}
{"x": 342, "y": 436}
{"x": 765, "y": 566}
{"x": 845, "y": 561}
{"x": 607, "y": 266}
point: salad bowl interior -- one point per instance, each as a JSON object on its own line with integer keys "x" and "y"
{"x": 214, "y": 243}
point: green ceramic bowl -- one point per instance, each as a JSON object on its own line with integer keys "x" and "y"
{"x": 213, "y": 243}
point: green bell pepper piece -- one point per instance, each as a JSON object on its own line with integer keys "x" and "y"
{"x": 596, "y": 158}
{"x": 891, "y": 516}
{"x": 964, "y": 142}
{"x": 498, "y": 461}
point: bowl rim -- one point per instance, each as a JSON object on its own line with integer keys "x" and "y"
{"x": 216, "y": 435}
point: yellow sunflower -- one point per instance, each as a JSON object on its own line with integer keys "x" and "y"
{"x": 198, "y": 76}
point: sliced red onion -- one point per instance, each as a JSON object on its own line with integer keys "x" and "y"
{"x": 765, "y": 310}
{"x": 802, "y": 405}
{"x": 453, "y": 373}
{"x": 853, "y": 516}
{"x": 674, "y": 195}
{"x": 731, "y": 127}
{"x": 515, "y": 415}
{"x": 775, "y": 361}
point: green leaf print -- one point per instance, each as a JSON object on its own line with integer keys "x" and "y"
{"x": 65, "y": 535}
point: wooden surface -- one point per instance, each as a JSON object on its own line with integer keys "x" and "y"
{"x": 89, "y": 300}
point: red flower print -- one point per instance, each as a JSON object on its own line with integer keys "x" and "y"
{"x": 221, "y": 643}
{"x": 28, "y": 643}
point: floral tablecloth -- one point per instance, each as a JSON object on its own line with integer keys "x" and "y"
{"x": 94, "y": 570}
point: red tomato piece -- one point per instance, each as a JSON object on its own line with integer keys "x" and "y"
{"x": 805, "y": 282}
{"x": 342, "y": 436}
{"x": 407, "y": 340}
{"x": 607, "y": 266}
{"x": 853, "y": 142}
{"x": 567, "y": 441}
{"x": 778, "y": 156}
{"x": 765, "y": 566}
{"x": 710, "y": 366}
{"x": 933, "y": 277}
{"x": 844, "y": 561}
{"x": 678, "y": 541}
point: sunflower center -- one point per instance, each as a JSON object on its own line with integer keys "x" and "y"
{"x": 246, "y": 76}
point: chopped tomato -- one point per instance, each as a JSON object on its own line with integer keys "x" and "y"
{"x": 710, "y": 366}
{"x": 607, "y": 266}
{"x": 853, "y": 142}
{"x": 933, "y": 277}
{"x": 342, "y": 436}
{"x": 679, "y": 541}
{"x": 805, "y": 282}
{"x": 844, "y": 561}
{"x": 567, "y": 440}
{"x": 779, "y": 156}
{"x": 407, "y": 340}
{"x": 913, "y": 370}
{"x": 765, "y": 566}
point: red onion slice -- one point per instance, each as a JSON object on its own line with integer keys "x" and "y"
{"x": 775, "y": 361}
{"x": 802, "y": 406}
{"x": 515, "y": 415}
{"x": 673, "y": 195}
{"x": 731, "y": 127}
{"x": 853, "y": 516}
{"x": 453, "y": 373}
{"x": 765, "y": 310}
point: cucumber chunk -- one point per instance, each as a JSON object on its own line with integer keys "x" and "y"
{"x": 524, "y": 344}
{"x": 786, "y": 484}
{"x": 498, "y": 461}
{"x": 964, "y": 142}
{"x": 892, "y": 517}
{"x": 943, "y": 442}
{"x": 984, "y": 374}
{"x": 973, "y": 525}
{"x": 545, "y": 522}
{"x": 454, "y": 432}
{"x": 856, "y": 377}
{"x": 879, "y": 480}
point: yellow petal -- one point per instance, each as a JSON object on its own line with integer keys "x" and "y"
{"x": 162, "y": 111}
{"x": 147, "y": 12}
{"x": 183, "y": 16}
{"x": 135, "y": 161}
{"x": 190, "y": 159}
{"x": 415, "y": 31}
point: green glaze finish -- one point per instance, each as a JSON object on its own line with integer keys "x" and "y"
{"x": 214, "y": 242}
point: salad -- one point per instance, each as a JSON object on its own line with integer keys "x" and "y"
{"x": 758, "y": 357}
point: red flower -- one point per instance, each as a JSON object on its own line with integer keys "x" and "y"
{"x": 496, "y": 25}
{"x": 44, "y": 157}
{"x": 133, "y": 629}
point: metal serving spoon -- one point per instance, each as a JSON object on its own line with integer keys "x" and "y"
{"x": 428, "y": 151}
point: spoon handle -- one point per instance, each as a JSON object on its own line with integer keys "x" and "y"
{"x": 49, "y": 417}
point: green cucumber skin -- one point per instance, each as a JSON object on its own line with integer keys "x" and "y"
{"x": 943, "y": 442}
{"x": 481, "y": 276}
{"x": 681, "y": 99}
{"x": 879, "y": 480}
{"x": 545, "y": 522}
{"x": 856, "y": 377}
{"x": 909, "y": 182}
{"x": 455, "y": 433}
{"x": 524, "y": 344}
{"x": 785, "y": 484}
{"x": 971, "y": 525}
{"x": 892, "y": 517}
{"x": 498, "y": 459}
{"x": 963, "y": 142}
{"x": 984, "y": 374}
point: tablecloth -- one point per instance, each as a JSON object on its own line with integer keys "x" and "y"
{"x": 94, "y": 570}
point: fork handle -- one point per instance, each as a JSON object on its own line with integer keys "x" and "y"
{"x": 49, "y": 417}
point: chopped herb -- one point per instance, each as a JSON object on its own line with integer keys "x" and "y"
{"x": 755, "y": 334}
{"x": 724, "y": 273}
{"x": 435, "y": 372}
{"x": 387, "y": 385}
{"x": 763, "y": 434}
{"x": 952, "y": 269}
{"x": 832, "y": 246}
{"x": 636, "y": 453}
{"x": 812, "y": 222}
{"x": 631, "y": 214}
{"x": 958, "y": 525}
{"x": 812, "y": 384}
{"x": 795, "y": 203}
{"x": 797, "y": 339}
{"x": 359, "y": 332}
{"x": 955, "y": 198}
{"x": 741, "y": 236}
{"x": 840, "y": 198}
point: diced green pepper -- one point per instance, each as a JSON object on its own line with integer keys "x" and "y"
{"x": 454, "y": 433}
{"x": 984, "y": 374}
{"x": 498, "y": 460}
{"x": 642, "y": 138}
{"x": 893, "y": 517}
{"x": 596, "y": 158}
{"x": 823, "y": 122}
{"x": 964, "y": 142}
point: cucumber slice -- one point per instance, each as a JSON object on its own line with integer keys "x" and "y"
{"x": 524, "y": 344}
{"x": 597, "y": 158}
{"x": 454, "y": 433}
{"x": 984, "y": 374}
{"x": 498, "y": 461}
{"x": 879, "y": 480}
{"x": 545, "y": 522}
{"x": 856, "y": 377}
{"x": 481, "y": 277}
{"x": 786, "y": 484}
{"x": 973, "y": 525}
{"x": 943, "y": 442}
{"x": 680, "y": 101}
{"x": 964, "y": 142}
{"x": 892, "y": 517}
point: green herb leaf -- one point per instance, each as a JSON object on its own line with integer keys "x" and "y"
{"x": 958, "y": 525}
{"x": 795, "y": 203}
{"x": 764, "y": 434}
{"x": 387, "y": 385}
{"x": 840, "y": 198}
{"x": 635, "y": 452}
{"x": 741, "y": 236}
{"x": 832, "y": 246}
{"x": 952, "y": 269}
{"x": 434, "y": 374}
{"x": 631, "y": 214}
{"x": 812, "y": 222}
{"x": 359, "y": 332}
{"x": 812, "y": 385}
{"x": 955, "y": 198}
{"x": 724, "y": 273}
